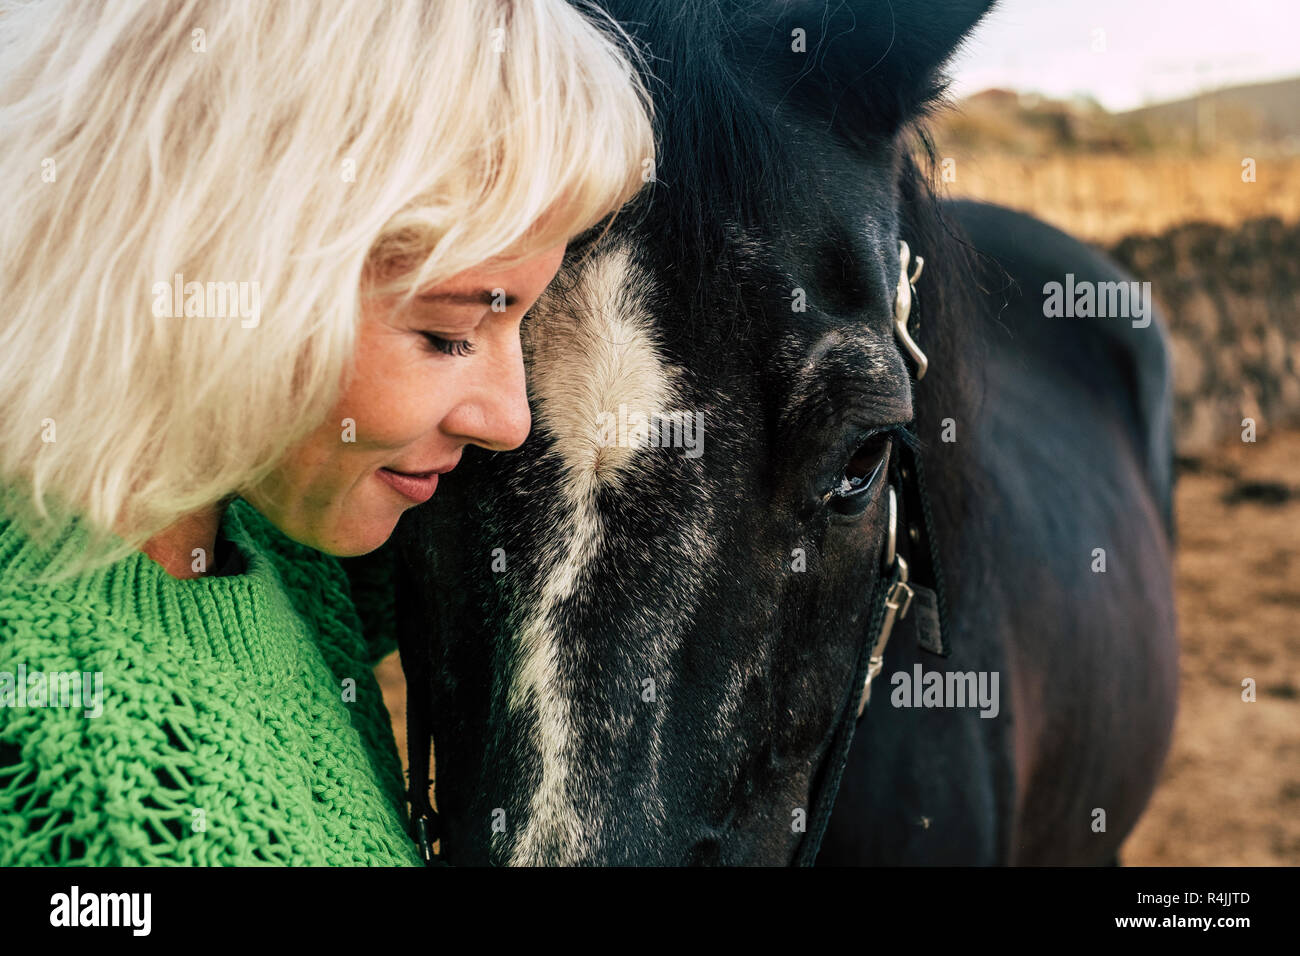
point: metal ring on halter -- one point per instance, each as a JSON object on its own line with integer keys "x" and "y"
{"x": 891, "y": 536}
{"x": 903, "y": 308}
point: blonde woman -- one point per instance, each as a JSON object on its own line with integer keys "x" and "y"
{"x": 263, "y": 268}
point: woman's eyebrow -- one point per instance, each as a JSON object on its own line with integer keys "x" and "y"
{"x": 482, "y": 297}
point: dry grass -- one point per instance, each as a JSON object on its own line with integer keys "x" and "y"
{"x": 1103, "y": 198}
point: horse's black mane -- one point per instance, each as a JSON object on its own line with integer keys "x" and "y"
{"x": 725, "y": 155}
{"x": 722, "y": 154}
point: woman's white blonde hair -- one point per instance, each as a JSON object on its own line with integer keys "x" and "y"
{"x": 279, "y": 153}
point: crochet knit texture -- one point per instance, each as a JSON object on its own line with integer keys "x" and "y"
{"x": 241, "y": 722}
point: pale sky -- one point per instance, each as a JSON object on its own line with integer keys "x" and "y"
{"x": 1155, "y": 50}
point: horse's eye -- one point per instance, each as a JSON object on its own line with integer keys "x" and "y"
{"x": 850, "y": 496}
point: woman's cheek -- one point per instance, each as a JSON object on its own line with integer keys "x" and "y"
{"x": 406, "y": 409}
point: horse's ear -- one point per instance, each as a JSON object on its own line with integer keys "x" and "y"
{"x": 865, "y": 66}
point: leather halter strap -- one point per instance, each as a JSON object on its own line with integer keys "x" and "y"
{"x": 425, "y": 825}
{"x": 909, "y": 581}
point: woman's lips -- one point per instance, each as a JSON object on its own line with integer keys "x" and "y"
{"x": 418, "y": 488}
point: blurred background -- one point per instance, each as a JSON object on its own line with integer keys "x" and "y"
{"x": 1167, "y": 132}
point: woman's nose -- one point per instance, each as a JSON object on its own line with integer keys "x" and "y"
{"x": 509, "y": 416}
{"x": 495, "y": 414}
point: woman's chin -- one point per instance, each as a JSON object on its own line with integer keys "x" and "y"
{"x": 357, "y": 540}
{"x": 352, "y": 534}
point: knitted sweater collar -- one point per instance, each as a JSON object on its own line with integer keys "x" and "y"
{"x": 228, "y": 616}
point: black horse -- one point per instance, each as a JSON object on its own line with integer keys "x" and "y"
{"x": 640, "y": 638}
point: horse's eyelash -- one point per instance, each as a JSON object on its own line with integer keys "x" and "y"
{"x": 904, "y": 434}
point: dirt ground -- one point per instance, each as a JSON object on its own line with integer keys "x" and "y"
{"x": 1230, "y": 792}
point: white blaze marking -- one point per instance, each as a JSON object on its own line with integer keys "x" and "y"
{"x": 590, "y": 353}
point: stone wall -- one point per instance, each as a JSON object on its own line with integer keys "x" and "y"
{"x": 1232, "y": 300}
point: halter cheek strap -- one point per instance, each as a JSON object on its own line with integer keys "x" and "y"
{"x": 909, "y": 583}
{"x": 425, "y": 825}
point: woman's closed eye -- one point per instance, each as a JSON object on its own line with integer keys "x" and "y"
{"x": 448, "y": 346}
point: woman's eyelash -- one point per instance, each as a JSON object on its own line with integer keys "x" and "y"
{"x": 448, "y": 346}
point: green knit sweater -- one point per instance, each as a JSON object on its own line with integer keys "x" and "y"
{"x": 239, "y": 721}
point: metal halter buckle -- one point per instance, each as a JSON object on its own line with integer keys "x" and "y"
{"x": 422, "y": 839}
{"x": 903, "y": 307}
{"x": 897, "y": 601}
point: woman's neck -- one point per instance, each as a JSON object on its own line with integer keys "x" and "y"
{"x": 187, "y": 549}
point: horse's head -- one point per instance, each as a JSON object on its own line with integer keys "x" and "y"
{"x": 646, "y": 621}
